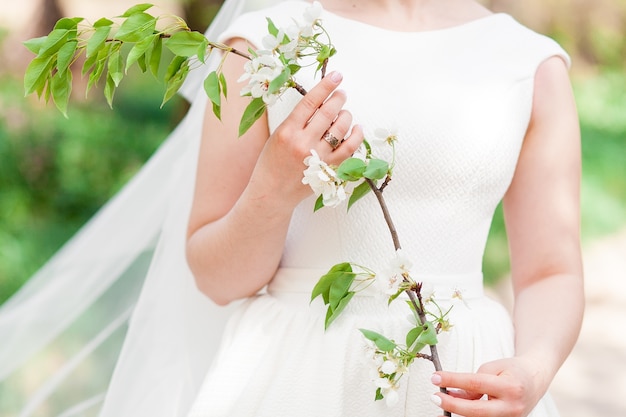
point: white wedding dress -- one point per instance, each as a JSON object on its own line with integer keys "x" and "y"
{"x": 459, "y": 100}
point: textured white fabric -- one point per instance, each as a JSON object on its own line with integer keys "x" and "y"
{"x": 460, "y": 101}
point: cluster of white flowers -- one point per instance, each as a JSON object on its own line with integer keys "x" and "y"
{"x": 387, "y": 370}
{"x": 278, "y": 51}
{"x": 390, "y": 279}
{"x": 323, "y": 180}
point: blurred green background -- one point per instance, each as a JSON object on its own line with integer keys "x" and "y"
{"x": 55, "y": 172}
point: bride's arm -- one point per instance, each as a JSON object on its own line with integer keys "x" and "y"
{"x": 542, "y": 218}
{"x": 247, "y": 187}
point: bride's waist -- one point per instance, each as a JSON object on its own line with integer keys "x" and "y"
{"x": 302, "y": 280}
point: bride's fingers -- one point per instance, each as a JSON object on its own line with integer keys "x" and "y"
{"x": 337, "y": 130}
{"x": 350, "y": 144}
{"x": 311, "y": 102}
{"x": 326, "y": 114}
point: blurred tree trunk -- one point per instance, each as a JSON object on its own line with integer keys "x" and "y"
{"x": 48, "y": 12}
{"x": 199, "y": 13}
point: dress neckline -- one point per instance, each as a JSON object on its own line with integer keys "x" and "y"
{"x": 450, "y": 29}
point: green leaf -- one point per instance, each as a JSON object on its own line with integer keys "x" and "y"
{"x": 271, "y": 27}
{"x": 319, "y": 203}
{"x": 332, "y": 314}
{"x": 213, "y": 88}
{"x": 186, "y": 43}
{"x": 376, "y": 169}
{"x": 116, "y": 66}
{"x": 174, "y": 67}
{"x": 35, "y": 44}
{"x": 381, "y": 341}
{"x": 100, "y": 65}
{"x": 138, "y": 8}
{"x": 351, "y": 169}
{"x": 251, "y": 114}
{"x": 155, "y": 56}
{"x": 102, "y": 22}
{"x": 139, "y": 50}
{"x": 217, "y": 111}
{"x": 429, "y": 335}
{"x": 137, "y": 27}
{"x": 68, "y": 23}
{"x": 412, "y": 336}
{"x": 201, "y": 53}
{"x": 359, "y": 192}
{"x": 65, "y": 55}
{"x": 379, "y": 394}
{"x": 323, "y": 285}
{"x": 37, "y": 73}
{"x": 53, "y": 42}
{"x": 339, "y": 288}
{"x": 97, "y": 40}
{"x": 176, "y": 81}
{"x": 142, "y": 63}
{"x": 109, "y": 90}
{"x": 278, "y": 82}
{"x": 61, "y": 87}
{"x": 224, "y": 84}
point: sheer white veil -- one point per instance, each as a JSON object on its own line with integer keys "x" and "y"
{"x": 119, "y": 296}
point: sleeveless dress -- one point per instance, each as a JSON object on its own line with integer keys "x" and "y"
{"x": 460, "y": 101}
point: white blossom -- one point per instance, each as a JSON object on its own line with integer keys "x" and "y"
{"x": 311, "y": 17}
{"x": 389, "y": 367}
{"x": 427, "y": 292}
{"x": 390, "y": 279}
{"x": 391, "y": 396}
{"x": 260, "y": 72}
{"x": 384, "y": 136}
{"x": 323, "y": 180}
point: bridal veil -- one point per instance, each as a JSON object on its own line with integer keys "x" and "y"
{"x": 113, "y": 324}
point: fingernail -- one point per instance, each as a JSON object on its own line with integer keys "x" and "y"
{"x": 436, "y": 400}
{"x": 435, "y": 379}
{"x": 335, "y": 76}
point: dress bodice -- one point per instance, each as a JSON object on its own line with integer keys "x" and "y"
{"x": 460, "y": 101}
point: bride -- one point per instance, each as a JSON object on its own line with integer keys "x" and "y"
{"x": 482, "y": 110}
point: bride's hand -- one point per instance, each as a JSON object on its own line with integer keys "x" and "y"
{"x": 280, "y": 164}
{"x": 512, "y": 387}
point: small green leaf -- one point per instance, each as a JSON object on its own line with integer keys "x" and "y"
{"x": 381, "y": 341}
{"x": 412, "y": 336}
{"x": 278, "y": 82}
{"x": 174, "y": 67}
{"x": 201, "y": 53}
{"x": 379, "y": 394}
{"x": 142, "y": 63}
{"x": 429, "y": 335}
{"x": 116, "y": 66}
{"x": 61, "y": 87}
{"x": 138, "y": 8}
{"x": 323, "y": 285}
{"x": 101, "y": 61}
{"x": 176, "y": 81}
{"x": 35, "y": 44}
{"x": 376, "y": 169}
{"x": 65, "y": 55}
{"x": 332, "y": 314}
{"x": 251, "y": 114}
{"x": 271, "y": 27}
{"x": 97, "y": 40}
{"x": 53, "y": 42}
{"x": 186, "y": 43}
{"x": 155, "y": 56}
{"x": 351, "y": 169}
{"x": 103, "y": 22}
{"x": 68, "y": 23}
{"x": 224, "y": 85}
{"x": 137, "y": 27}
{"x": 213, "y": 88}
{"x": 139, "y": 50}
{"x": 109, "y": 90}
{"x": 319, "y": 203}
{"x": 359, "y": 192}
{"x": 339, "y": 288}
{"x": 37, "y": 73}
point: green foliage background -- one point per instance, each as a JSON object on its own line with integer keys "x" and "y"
{"x": 55, "y": 173}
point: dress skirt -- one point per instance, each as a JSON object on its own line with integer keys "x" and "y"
{"x": 276, "y": 360}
